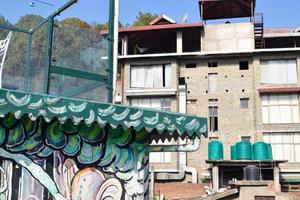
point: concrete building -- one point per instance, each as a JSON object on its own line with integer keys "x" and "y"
{"x": 242, "y": 77}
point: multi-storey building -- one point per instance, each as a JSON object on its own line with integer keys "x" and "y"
{"x": 242, "y": 77}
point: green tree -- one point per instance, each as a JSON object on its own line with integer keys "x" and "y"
{"x": 144, "y": 19}
{"x": 3, "y": 33}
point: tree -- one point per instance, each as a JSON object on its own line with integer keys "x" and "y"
{"x": 3, "y": 33}
{"x": 144, "y": 19}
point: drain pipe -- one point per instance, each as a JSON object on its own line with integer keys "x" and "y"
{"x": 183, "y": 155}
{"x": 182, "y": 148}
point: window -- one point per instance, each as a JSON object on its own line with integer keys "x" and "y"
{"x": 181, "y": 81}
{"x": 244, "y": 102}
{"x": 155, "y": 103}
{"x": 212, "y": 82}
{"x": 285, "y": 146}
{"x": 244, "y": 65}
{"x": 246, "y": 138}
{"x": 213, "y": 114}
{"x": 213, "y": 138}
{"x": 190, "y": 65}
{"x": 280, "y": 108}
{"x": 159, "y": 104}
{"x": 279, "y": 71}
{"x": 212, "y": 64}
{"x": 151, "y": 76}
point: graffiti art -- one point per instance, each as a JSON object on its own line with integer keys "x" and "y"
{"x": 66, "y": 149}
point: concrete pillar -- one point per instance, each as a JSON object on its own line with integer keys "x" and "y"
{"x": 277, "y": 185}
{"x": 125, "y": 45}
{"x": 179, "y": 42}
{"x": 152, "y": 183}
{"x": 215, "y": 177}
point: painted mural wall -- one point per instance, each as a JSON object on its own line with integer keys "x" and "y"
{"x": 42, "y": 160}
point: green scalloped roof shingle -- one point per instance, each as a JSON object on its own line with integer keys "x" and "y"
{"x": 80, "y": 111}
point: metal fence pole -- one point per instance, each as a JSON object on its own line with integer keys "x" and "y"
{"x": 110, "y": 49}
{"x": 28, "y": 63}
{"x": 48, "y": 55}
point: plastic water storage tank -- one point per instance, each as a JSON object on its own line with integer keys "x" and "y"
{"x": 243, "y": 150}
{"x": 262, "y": 151}
{"x": 233, "y": 152}
{"x": 215, "y": 150}
{"x": 251, "y": 173}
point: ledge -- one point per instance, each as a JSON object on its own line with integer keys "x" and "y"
{"x": 280, "y": 90}
{"x": 251, "y": 183}
{"x": 151, "y": 92}
{"x": 244, "y": 162}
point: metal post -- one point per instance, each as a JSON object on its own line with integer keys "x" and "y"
{"x": 116, "y": 45}
{"x": 48, "y": 55}
{"x": 110, "y": 49}
{"x": 28, "y": 67}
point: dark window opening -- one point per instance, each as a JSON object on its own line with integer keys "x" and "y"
{"x": 244, "y": 65}
{"x": 281, "y": 42}
{"x": 164, "y": 75}
{"x": 213, "y": 118}
{"x": 191, "y": 40}
{"x": 212, "y": 64}
{"x": 152, "y": 42}
{"x": 264, "y": 197}
{"x": 190, "y": 65}
{"x": 244, "y": 102}
{"x": 213, "y": 138}
{"x": 181, "y": 81}
{"x": 246, "y": 138}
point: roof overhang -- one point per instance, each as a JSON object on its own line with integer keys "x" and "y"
{"x": 279, "y": 90}
{"x": 158, "y": 27}
{"x": 78, "y": 113}
{"x": 219, "y": 9}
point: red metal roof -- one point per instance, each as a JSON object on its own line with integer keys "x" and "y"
{"x": 158, "y": 27}
{"x": 220, "y": 9}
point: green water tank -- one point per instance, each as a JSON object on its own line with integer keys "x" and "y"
{"x": 233, "y": 152}
{"x": 215, "y": 150}
{"x": 261, "y": 151}
{"x": 243, "y": 150}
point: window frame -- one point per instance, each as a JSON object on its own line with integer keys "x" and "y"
{"x": 270, "y": 103}
{"x": 292, "y": 143}
{"x": 209, "y": 89}
{"x": 158, "y": 157}
{"x": 213, "y": 119}
{"x": 241, "y": 104}
{"x": 262, "y": 81}
{"x": 164, "y": 74}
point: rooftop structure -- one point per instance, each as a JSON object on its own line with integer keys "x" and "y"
{"x": 220, "y": 9}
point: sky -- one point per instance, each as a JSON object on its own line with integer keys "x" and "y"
{"x": 277, "y": 13}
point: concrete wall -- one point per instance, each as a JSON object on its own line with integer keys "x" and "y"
{"x": 228, "y": 37}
